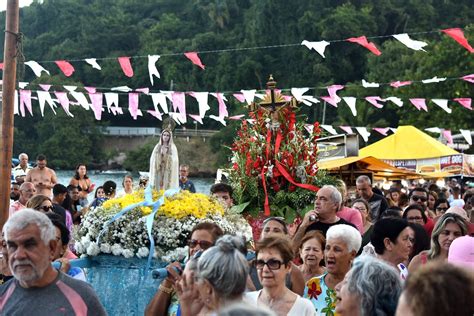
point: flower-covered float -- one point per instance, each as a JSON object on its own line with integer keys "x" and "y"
{"x": 274, "y": 161}
{"x": 120, "y": 238}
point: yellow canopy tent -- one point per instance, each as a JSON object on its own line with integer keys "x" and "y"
{"x": 360, "y": 165}
{"x": 407, "y": 142}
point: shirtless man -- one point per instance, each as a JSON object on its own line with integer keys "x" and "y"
{"x": 42, "y": 177}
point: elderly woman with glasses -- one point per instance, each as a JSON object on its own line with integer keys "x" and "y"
{"x": 220, "y": 278}
{"x": 274, "y": 255}
{"x": 294, "y": 280}
{"x": 448, "y": 227}
{"x": 371, "y": 287}
{"x": 342, "y": 244}
{"x": 203, "y": 236}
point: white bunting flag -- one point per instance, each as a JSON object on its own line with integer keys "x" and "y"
{"x": 366, "y": 84}
{"x": 152, "y": 71}
{"x": 320, "y": 47}
{"x": 37, "y": 68}
{"x": 218, "y": 119}
{"x": 363, "y": 132}
{"x": 408, "y": 42}
{"x": 467, "y": 135}
{"x": 70, "y": 88}
{"x": 81, "y": 98}
{"x": 22, "y": 85}
{"x": 395, "y": 100}
{"x": 121, "y": 89}
{"x": 64, "y": 101}
{"x": 442, "y": 103}
{"x": 93, "y": 63}
{"x": 249, "y": 95}
{"x": 160, "y": 98}
{"x": 112, "y": 102}
{"x": 306, "y": 99}
{"x": 433, "y": 80}
{"x": 351, "y": 102}
{"x": 202, "y": 99}
{"x": 435, "y": 130}
{"x": 45, "y": 97}
{"x": 16, "y": 110}
{"x": 329, "y": 129}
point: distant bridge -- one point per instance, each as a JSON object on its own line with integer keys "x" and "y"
{"x": 122, "y": 139}
{"x": 121, "y": 131}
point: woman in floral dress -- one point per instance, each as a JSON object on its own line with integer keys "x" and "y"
{"x": 342, "y": 244}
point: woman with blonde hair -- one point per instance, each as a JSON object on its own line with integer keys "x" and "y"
{"x": 40, "y": 203}
{"x": 448, "y": 227}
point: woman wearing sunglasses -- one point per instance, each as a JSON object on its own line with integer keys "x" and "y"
{"x": 276, "y": 226}
{"x": 273, "y": 263}
{"x": 40, "y": 203}
{"x": 165, "y": 302}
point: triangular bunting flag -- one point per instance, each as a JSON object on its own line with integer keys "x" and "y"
{"x": 152, "y": 71}
{"x": 467, "y": 135}
{"x": 65, "y": 67}
{"x": 419, "y": 104}
{"x": 465, "y": 102}
{"x": 408, "y": 42}
{"x": 458, "y": 35}
{"x": 442, "y": 103}
{"x": 362, "y": 40}
{"x": 126, "y": 66}
{"x": 351, "y": 103}
{"x": 363, "y": 132}
{"x": 320, "y": 47}
{"x": 194, "y": 58}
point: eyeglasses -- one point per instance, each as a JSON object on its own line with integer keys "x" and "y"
{"x": 46, "y": 208}
{"x": 204, "y": 244}
{"x": 415, "y": 218}
{"x": 417, "y": 198}
{"x": 272, "y": 264}
{"x": 442, "y": 209}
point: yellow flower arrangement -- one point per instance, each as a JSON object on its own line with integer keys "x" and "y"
{"x": 186, "y": 203}
{"x": 177, "y": 206}
{"x": 129, "y": 199}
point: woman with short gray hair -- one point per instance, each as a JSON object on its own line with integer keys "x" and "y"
{"x": 371, "y": 287}
{"x": 342, "y": 244}
{"x": 221, "y": 277}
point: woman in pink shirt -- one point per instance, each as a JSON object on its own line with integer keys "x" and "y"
{"x": 349, "y": 214}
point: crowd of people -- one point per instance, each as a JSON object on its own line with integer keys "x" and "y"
{"x": 403, "y": 251}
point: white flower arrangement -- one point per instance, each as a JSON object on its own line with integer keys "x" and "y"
{"x": 127, "y": 236}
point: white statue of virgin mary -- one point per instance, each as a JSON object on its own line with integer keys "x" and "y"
{"x": 164, "y": 163}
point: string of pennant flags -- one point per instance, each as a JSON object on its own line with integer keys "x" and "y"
{"x": 319, "y": 46}
{"x": 365, "y": 132}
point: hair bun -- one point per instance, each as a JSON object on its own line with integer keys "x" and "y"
{"x": 229, "y": 243}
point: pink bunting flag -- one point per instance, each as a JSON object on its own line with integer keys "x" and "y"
{"x": 143, "y": 90}
{"x": 362, "y": 40}
{"x": 1, "y": 66}
{"x": 96, "y": 99}
{"x": 465, "y": 102}
{"x": 330, "y": 101}
{"x": 64, "y": 101}
{"x": 222, "y": 106}
{"x": 133, "y": 105}
{"x": 197, "y": 118}
{"x": 375, "y": 101}
{"x": 448, "y": 136}
{"x": 45, "y": 87}
{"x": 382, "y": 130}
{"x": 126, "y": 66}
{"x": 65, "y": 67}
{"x": 194, "y": 58}
{"x": 458, "y": 35}
{"x": 398, "y": 84}
{"x": 240, "y": 97}
{"x": 156, "y": 114}
{"x": 236, "y": 117}
{"x": 179, "y": 103}
{"x": 419, "y": 104}
{"x": 25, "y": 101}
{"x": 469, "y": 78}
{"x": 347, "y": 129}
{"x": 91, "y": 89}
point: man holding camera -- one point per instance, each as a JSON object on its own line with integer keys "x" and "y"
{"x": 328, "y": 202}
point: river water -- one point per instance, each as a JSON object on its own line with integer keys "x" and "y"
{"x": 202, "y": 185}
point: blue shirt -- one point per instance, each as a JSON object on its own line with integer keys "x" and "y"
{"x": 188, "y": 185}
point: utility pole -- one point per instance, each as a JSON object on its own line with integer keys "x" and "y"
{"x": 8, "y": 101}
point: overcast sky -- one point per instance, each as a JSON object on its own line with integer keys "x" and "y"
{"x": 23, "y": 3}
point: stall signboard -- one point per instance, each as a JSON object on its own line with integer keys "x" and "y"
{"x": 403, "y": 164}
{"x": 428, "y": 165}
{"x": 452, "y": 164}
{"x": 468, "y": 165}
